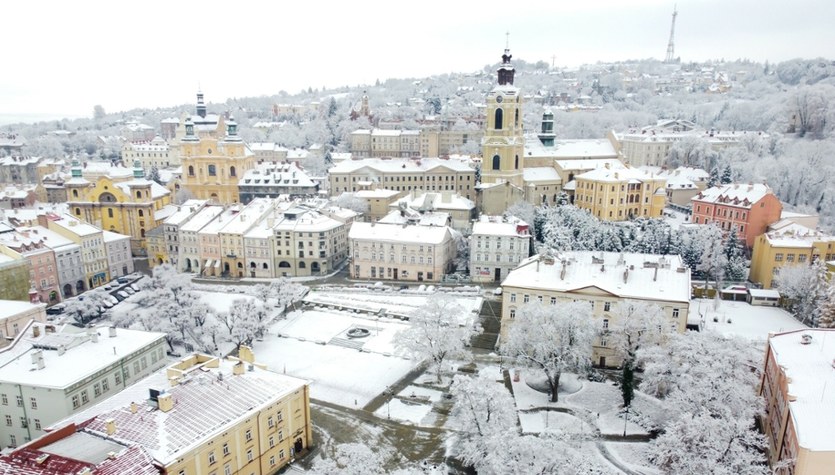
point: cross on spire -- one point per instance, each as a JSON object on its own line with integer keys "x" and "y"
{"x": 507, "y": 40}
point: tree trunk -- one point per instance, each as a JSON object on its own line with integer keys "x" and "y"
{"x": 554, "y": 384}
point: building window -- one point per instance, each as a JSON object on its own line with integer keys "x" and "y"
{"x": 5, "y": 399}
{"x": 19, "y": 400}
{"x": 271, "y": 441}
{"x": 280, "y": 435}
{"x": 227, "y": 469}
{"x": 109, "y": 212}
{"x": 226, "y": 448}
{"x": 675, "y": 313}
{"x": 118, "y": 377}
{"x": 281, "y": 454}
{"x": 272, "y": 460}
{"x": 249, "y": 455}
{"x": 270, "y": 422}
{"x": 13, "y": 441}
{"x": 801, "y": 258}
{"x": 789, "y": 257}
{"x": 212, "y": 457}
{"x": 212, "y": 170}
{"x": 497, "y": 162}
{"x": 38, "y": 424}
{"x": 280, "y": 417}
{"x": 607, "y": 306}
{"x": 85, "y": 398}
{"x": 512, "y": 313}
{"x": 499, "y": 119}
{"x": 605, "y": 323}
{"x": 96, "y": 390}
{"x": 778, "y": 257}
{"x": 248, "y": 435}
{"x": 105, "y": 386}
{"x": 8, "y": 420}
{"x": 23, "y": 423}
{"x": 232, "y": 171}
{"x": 603, "y": 342}
{"x": 526, "y": 298}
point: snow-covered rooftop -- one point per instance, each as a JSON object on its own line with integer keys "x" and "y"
{"x": 82, "y": 358}
{"x": 184, "y": 211}
{"x": 165, "y": 212}
{"x": 201, "y": 219}
{"x": 648, "y": 276}
{"x": 616, "y": 175}
{"x": 567, "y": 149}
{"x": 110, "y": 236}
{"x": 786, "y": 233}
{"x": 445, "y": 200}
{"x": 10, "y": 308}
{"x": 400, "y": 165}
{"x": 76, "y": 226}
{"x": 396, "y": 233}
{"x": 533, "y": 174}
{"x": 741, "y": 195}
{"x": 276, "y": 174}
{"x": 811, "y": 385}
{"x": 377, "y": 193}
{"x": 500, "y": 226}
{"x": 207, "y": 401}
{"x": 157, "y": 190}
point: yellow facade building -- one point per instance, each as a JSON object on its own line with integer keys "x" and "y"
{"x": 125, "y": 205}
{"x": 212, "y": 167}
{"x": 618, "y": 194}
{"x": 787, "y": 244}
{"x": 205, "y": 415}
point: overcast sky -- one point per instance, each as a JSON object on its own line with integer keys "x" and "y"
{"x": 63, "y": 57}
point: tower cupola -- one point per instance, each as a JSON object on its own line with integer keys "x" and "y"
{"x": 201, "y": 106}
{"x": 232, "y": 130}
{"x": 506, "y": 70}
{"x": 76, "y": 168}
{"x": 189, "y": 131}
{"x": 138, "y": 172}
{"x": 547, "y": 136}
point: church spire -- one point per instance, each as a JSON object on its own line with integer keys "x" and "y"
{"x": 506, "y": 70}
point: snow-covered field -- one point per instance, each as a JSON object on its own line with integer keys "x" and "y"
{"x": 395, "y": 303}
{"x": 340, "y": 375}
{"x": 744, "y": 320}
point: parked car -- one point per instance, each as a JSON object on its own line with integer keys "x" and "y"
{"x": 134, "y": 287}
{"x": 122, "y": 280}
{"x": 123, "y": 294}
{"x": 129, "y": 290}
{"x": 55, "y": 310}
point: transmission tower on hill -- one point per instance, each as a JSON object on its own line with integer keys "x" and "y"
{"x": 671, "y": 49}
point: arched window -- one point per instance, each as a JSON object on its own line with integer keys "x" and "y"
{"x": 266, "y": 266}
{"x": 302, "y": 265}
{"x": 75, "y": 193}
{"x": 139, "y": 194}
{"x": 142, "y": 233}
{"x": 516, "y": 120}
{"x": 252, "y": 265}
{"x": 212, "y": 170}
{"x": 141, "y": 213}
{"x": 190, "y": 170}
{"x": 232, "y": 171}
{"x": 78, "y": 211}
{"x": 240, "y": 266}
{"x": 516, "y": 163}
{"x": 499, "y": 117}
{"x": 497, "y": 162}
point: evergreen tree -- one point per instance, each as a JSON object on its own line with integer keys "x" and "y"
{"x": 713, "y": 180}
{"x": 153, "y": 175}
{"x": 737, "y": 266}
{"x": 627, "y": 388}
{"x": 826, "y": 319}
{"x": 727, "y": 175}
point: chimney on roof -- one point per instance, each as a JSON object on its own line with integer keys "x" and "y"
{"x": 239, "y": 368}
{"x": 562, "y": 270}
{"x": 112, "y": 332}
{"x": 41, "y": 459}
{"x": 165, "y": 402}
{"x": 246, "y": 354}
{"x": 655, "y": 274}
{"x": 110, "y": 426}
{"x": 36, "y": 331}
{"x": 625, "y": 275}
{"x": 61, "y": 350}
{"x": 133, "y": 407}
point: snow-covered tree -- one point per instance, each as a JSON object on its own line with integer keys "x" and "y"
{"x": 353, "y": 459}
{"x": 804, "y": 287}
{"x": 736, "y": 268}
{"x": 242, "y": 321}
{"x": 554, "y": 339}
{"x": 438, "y": 330}
{"x": 827, "y": 308}
{"x": 88, "y": 306}
{"x": 708, "y": 384}
{"x": 635, "y": 324}
{"x": 713, "y": 261}
{"x": 488, "y": 439}
{"x": 351, "y": 201}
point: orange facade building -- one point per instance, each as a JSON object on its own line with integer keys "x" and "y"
{"x": 748, "y": 208}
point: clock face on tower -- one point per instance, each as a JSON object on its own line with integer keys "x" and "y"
{"x": 499, "y": 99}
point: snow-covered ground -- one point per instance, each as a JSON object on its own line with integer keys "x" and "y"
{"x": 743, "y": 320}
{"x": 394, "y": 303}
{"x": 340, "y": 375}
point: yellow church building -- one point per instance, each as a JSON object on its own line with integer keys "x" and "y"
{"x": 212, "y": 167}
{"x": 130, "y": 206}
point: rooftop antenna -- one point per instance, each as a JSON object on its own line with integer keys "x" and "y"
{"x": 671, "y": 45}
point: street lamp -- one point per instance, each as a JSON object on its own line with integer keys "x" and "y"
{"x": 388, "y": 393}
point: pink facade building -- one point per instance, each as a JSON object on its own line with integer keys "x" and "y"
{"x": 748, "y": 208}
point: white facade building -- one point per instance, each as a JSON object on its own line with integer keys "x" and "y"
{"x": 46, "y": 374}
{"x": 119, "y": 259}
{"x": 497, "y": 246}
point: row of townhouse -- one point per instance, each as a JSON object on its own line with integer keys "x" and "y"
{"x": 65, "y": 256}
{"x": 266, "y": 238}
